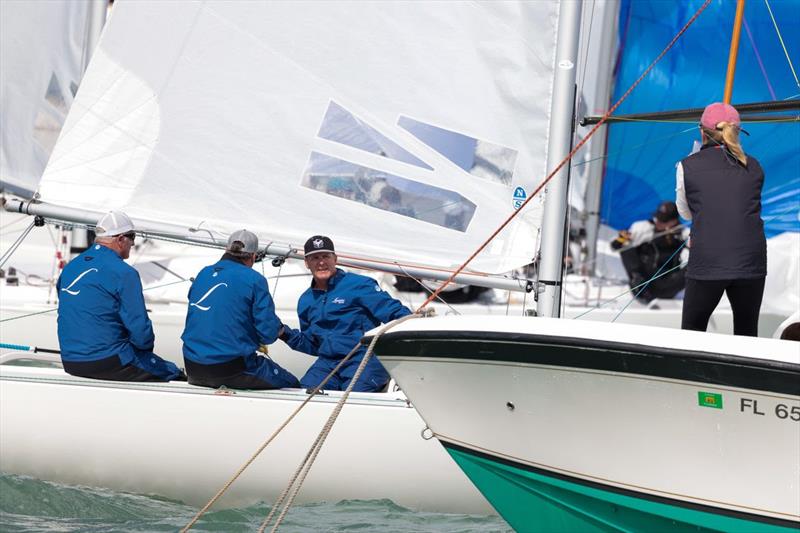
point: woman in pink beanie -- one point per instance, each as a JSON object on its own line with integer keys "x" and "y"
{"x": 719, "y": 190}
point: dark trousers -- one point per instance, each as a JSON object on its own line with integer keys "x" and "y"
{"x": 262, "y": 374}
{"x": 702, "y": 297}
{"x": 373, "y": 379}
{"x": 110, "y": 368}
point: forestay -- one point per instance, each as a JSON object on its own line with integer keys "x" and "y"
{"x": 42, "y": 46}
{"x": 402, "y": 130}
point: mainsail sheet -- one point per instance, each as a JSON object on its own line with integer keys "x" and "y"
{"x": 42, "y": 46}
{"x": 405, "y": 131}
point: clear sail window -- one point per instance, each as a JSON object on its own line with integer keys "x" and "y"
{"x": 480, "y": 158}
{"x": 387, "y": 192}
{"x": 341, "y": 126}
{"x": 55, "y": 96}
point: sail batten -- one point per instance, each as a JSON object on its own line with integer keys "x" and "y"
{"x": 405, "y": 131}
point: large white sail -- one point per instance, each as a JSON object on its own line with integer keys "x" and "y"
{"x": 42, "y": 50}
{"x": 404, "y": 130}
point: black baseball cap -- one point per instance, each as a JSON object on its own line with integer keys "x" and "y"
{"x": 666, "y": 211}
{"x": 317, "y": 244}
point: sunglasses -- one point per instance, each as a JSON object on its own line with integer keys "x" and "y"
{"x": 130, "y": 236}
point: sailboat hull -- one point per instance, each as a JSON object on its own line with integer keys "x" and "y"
{"x": 184, "y": 442}
{"x": 563, "y": 503}
{"x": 565, "y": 425}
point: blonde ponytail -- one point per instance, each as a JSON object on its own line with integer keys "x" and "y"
{"x": 728, "y": 135}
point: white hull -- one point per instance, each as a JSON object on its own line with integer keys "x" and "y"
{"x": 627, "y": 429}
{"x": 184, "y": 442}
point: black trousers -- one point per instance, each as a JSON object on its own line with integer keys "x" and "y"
{"x": 231, "y": 375}
{"x": 111, "y": 369}
{"x": 702, "y": 297}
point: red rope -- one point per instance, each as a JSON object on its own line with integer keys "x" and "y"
{"x": 564, "y": 161}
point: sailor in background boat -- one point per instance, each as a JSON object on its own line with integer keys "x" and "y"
{"x": 103, "y": 328}
{"x": 649, "y": 248}
{"x": 719, "y": 189}
{"x": 231, "y": 314}
{"x": 334, "y": 314}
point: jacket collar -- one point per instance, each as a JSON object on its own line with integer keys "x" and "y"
{"x": 98, "y": 248}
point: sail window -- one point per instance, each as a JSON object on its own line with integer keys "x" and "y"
{"x": 341, "y": 126}
{"x": 55, "y": 96}
{"x": 480, "y": 158}
{"x": 388, "y": 192}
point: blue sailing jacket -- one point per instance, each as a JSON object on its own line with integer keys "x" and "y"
{"x": 101, "y": 311}
{"x": 231, "y": 313}
{"x": 333, "y": 321}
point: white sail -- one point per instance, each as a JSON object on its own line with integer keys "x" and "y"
{"x": 42, "y": 50}
{"x": 402, "y": 130}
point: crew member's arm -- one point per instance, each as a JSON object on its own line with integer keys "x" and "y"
{"x": 379, "y": 303}
{"x": 641, "y": 231}
{"x": 266, "y": 322}
{"x": 133, "y": 312}
{"x": 680, "y": 194}
{"x": 301, "y": 340}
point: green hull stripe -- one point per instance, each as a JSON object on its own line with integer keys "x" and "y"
{"x": 533, "y": 502}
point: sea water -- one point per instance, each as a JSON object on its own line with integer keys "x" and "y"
{"x": 28, "y": 504}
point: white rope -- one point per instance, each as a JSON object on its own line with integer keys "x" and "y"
{"x": 304, "y": 468}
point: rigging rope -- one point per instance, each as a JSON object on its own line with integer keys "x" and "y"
{"x": 302, "y": 470}
{"x": 783, "y": 45}
{"x": 261, "y": 448}
{"x": 758, "y": 60}
{"x": 13, "y": 248}
{"x": 629, "y": 291}
{"x": 568, "y": 156}
{"x": 647, "y": 283}
{"x": 425, "y": 287}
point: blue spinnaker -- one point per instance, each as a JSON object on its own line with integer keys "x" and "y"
{"x": 641, "y": 161}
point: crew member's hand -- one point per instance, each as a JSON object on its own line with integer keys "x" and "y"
{"x": 623, "y": 238}
{"x": 264, "y": 349}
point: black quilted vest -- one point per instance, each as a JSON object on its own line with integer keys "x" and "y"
{"x": 724, "y": 196}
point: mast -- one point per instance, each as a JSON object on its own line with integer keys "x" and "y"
{"x": 559, "y": 141}
{"x": 602, "y": 96}
{"x": 95, "y": 20}
{"x": 737, "y": 30}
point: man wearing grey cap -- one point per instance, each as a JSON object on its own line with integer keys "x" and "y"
{"x": 103, "y": 328}
{"x": 231, "y": 313}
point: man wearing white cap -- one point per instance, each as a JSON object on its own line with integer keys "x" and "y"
{"x": 231, "y": 313}
{"x": 103, "y": 328}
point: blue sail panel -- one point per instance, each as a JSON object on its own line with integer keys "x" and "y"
{"x": 640, "y": 169}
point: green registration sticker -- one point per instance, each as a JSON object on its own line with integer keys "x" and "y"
{"x": 709, "y": 399}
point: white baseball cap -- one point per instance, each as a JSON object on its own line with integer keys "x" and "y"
{"x": 113, "y": 223}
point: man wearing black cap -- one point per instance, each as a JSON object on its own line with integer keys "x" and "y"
{"x": 231, "y": 314}
{"x": 650, "y": 247}
{"x": 334, "y": 313}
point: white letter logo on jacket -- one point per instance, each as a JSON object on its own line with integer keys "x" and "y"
{"x": 206, "y": 295}
{"x": 75, "y": 293}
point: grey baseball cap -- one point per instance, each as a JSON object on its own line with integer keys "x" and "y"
{"x": 247, "y": 238}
